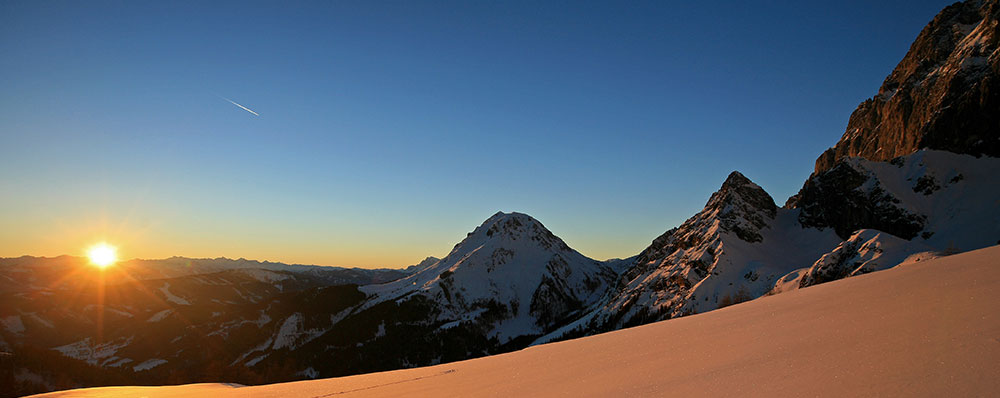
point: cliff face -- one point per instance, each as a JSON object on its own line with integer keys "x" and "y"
{"x": 944, "y": 94}
{"x": 849, "y": 197}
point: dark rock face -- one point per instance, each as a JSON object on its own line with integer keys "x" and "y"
{"x": 741, "y": 207}
{"x": 944, "y": 94}
{"x": 848, "y": 198}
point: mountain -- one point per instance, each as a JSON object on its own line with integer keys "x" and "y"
{"x": 29, "y": 273}
{"x": 926, "y": 202}
{"x": 66, "y": 324}
{"x": 731, "y": 251}
{"x": 87, "y": 327}
{"x": 925, "y": 329}
{"x": 427, "y": 262}
{"x": 508, "y": 282}
{"x": 858, "y": 217}
{"x": 914, "y": 175}
{"x": 912, "y": 179}
{"x": 877, "y": 199}
{"x": 510, "y": 277}
{"x": 944, "y": 94}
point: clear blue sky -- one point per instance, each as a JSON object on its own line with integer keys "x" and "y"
{"x": 389, "y": 130}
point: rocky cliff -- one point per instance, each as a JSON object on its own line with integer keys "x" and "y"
{"x": 944, "y": 94}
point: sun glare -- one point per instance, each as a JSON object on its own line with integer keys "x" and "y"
{"x": 102, "y": 254}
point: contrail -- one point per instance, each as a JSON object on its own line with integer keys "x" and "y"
{"x": 241, "y": 106}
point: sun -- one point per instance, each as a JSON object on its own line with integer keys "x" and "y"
{"x": 102, "y": 254}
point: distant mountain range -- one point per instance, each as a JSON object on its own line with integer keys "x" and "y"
{"x": 31, "y": 273}
{"x": 913, "y": 178}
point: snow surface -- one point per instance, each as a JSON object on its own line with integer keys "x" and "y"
{"x": 40, "y": 320}
{"x": 260, "y": 348}
{"x": 12, "y": 323}
{"x": 94, "y": 354}
{"x": 159, "y": 316}
{"x": 118, "y": 363}
{"x": 149, "y": 364}
{"x": 926, "y": 329}
{"x": 254, "y": 361}
{"x": 964, "y": 213}
{"x": 171, "y": 297}
{"x": 292, "y": 333}
{"x": 119, "y": 312}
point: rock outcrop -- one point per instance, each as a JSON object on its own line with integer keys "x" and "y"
{"x": 849, "y": 197}
{"x": 944, "y": 94}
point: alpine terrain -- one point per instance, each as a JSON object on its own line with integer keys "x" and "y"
{"x": 912, "y": 180}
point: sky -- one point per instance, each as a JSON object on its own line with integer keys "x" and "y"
{"x": 388, "y": 130}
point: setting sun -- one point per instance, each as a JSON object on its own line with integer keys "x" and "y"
{"x": 102, "y": 254}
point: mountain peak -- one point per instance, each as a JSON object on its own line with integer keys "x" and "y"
{"x": 941, "y": 95}
{"x": 519, "y": 226}
{"x": 501, "y": 216}
{"x": 741, "y": 206}
{"x": 427, "y": 262}
{"x": 739, "y": 189}
{"x": 736, "y": 179}
{"x": 511, "y": 265}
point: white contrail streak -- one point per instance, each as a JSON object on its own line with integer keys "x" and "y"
{"x": 241, "y": 106}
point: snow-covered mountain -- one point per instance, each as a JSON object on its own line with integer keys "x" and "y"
{"x": 62, "y": 324}
{"x": 860, "y": 216}
{"x": 29, "y": 273}
{"x": 914, "y": 174}
{"x": 942, "y": 95}
{"x": 878, "y": 198}
{"x": 508, "y": 282}
{"x": 731, "y": 251}
{"x": 930, "y": 202}
{"x": 924, "y": 330}
{"x": 911, "y": 179}
{"x": 511, "y": 277}
{"x": 427, "y": 262}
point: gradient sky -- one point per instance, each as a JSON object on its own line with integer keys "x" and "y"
{"x": 387, "y": 131}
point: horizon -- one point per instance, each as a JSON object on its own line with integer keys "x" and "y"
{"x": 374, "y": 134}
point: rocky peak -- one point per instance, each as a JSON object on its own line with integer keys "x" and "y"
{"x": 508, "y": 278}
{"x": 514, "y": 227}
{"x": 739, "y": 188}
{"x": 944, "y": 94}
{"x": 742, "y": 207}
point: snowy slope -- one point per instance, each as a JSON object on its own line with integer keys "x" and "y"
{"x": 940, "y": 197}
{"x": 924, "y": 329}
{"x": 733, "y": 250}
{"x": 939, "y": 202}
{"x": 510, "y": 274}
{"x": 957, "y": 195}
